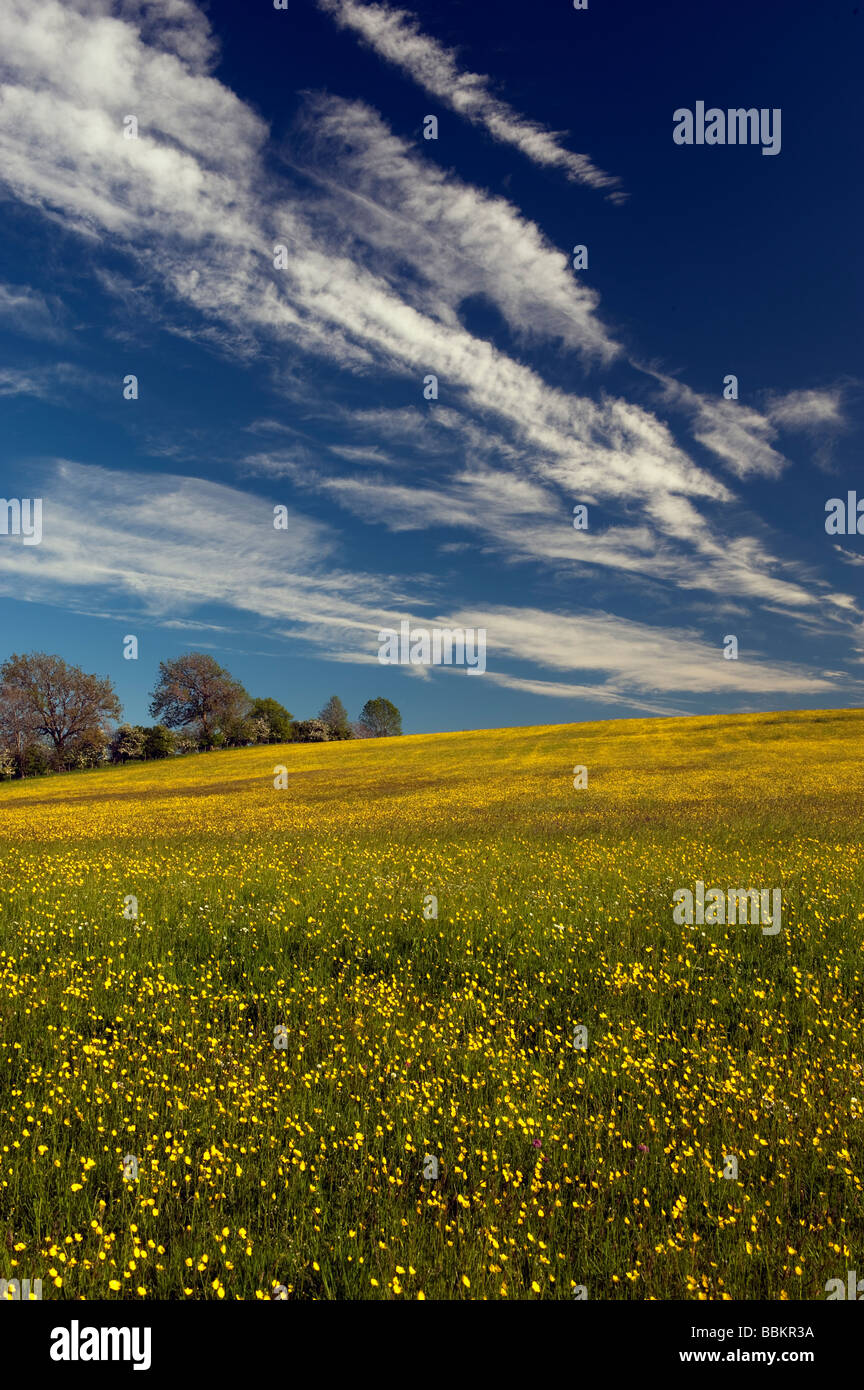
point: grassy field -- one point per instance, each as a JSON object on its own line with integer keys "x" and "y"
{"x": 410, "y": 1037}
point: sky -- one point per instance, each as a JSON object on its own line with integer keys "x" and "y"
{"x": 154, "y": 157}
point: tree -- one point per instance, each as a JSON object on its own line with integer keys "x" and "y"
{"x": 277, "y": 717}
{"x": 239, "y": 733}
{"x": 379, "y": 719}
{"x": 17, "y": 729}
{"x": 335, "y": 716}
{"x": 309, "y": 731}
{"x": 195, "y": 690}
{"x": 36, "y": 761}
{"x": 127, "y": 744}
{"x": 159, "y": 742}
{"x": 260, "y": 730}
{"x": 66, "y": 704}
{"x": 88, "y": 750}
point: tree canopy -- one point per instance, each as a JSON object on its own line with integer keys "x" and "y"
{"x": 193, "y": 689}
{"x": 380, "y": 719}
{"x": 58, "y": 701}
{"x": 310, "y": 731}
{"x": 277, "y": 718}
{"x": 335, "y": 716}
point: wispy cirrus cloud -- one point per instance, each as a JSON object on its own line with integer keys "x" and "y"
{"x": 736, "y": 433}
{"x": 46, "y": 382}
{"x": 631, "y": 655}
{"x": 407, "y": 211}
{"x": 27, "y": 311}
{"x": 807, "y": 410}
{"x": 397, "y": 37}
{"x": 520, "y": 519}
{"x": 201, "y": 217}
{"x": 171, "y": 544}
{"x": 605, "y": 694}
{"x": 742, "y": 435}
{"x": 167, "y": 545}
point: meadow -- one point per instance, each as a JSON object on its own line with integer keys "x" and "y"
{"x": 286, "y": 1035}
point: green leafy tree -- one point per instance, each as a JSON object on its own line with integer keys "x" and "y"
{"x": 65, "y": 703}
{"x": 239, "y": 733}
{"x": 127, "y": 744}
{"x": 379, "y": 719}
{"x": 36, "y": 762}
{"x": 194, "y": 690}
{"x": 88, "y": 750}
{"x": 159, "y": 742}
{"x": 335, "y": 716}
{"x": 309, "y": 731}
{"x": 277, "y": 718}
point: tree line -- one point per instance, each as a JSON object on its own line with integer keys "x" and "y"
{"x": 55, "y": 717}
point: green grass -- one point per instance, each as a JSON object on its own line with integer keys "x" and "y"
{"x": 450, "y": 1035}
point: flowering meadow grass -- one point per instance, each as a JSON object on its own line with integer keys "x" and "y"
{"x": 559, "y": 1168}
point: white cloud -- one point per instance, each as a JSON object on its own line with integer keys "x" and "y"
{"x": 177, "y": 26}
{"x": 396, "y": 36}
{"x": 357, "y": 454}
{"x": 850, "y": 557}
{"x": 520, "y": 519}
{"x": 167, "y": 546}
{"x": 196, "y": 212}
{"x": 25, "y": 310}
{"x": 736, "y": 433}
{"x": 411, "y": 213}
{"x": 171, "y": 544}
{"x": 807, "y": 410}
{"x": 742, "y": 435}
{"x": 631, "y": 654}
{"x": 48, "y": 383}
{"x": 568, "y": 690}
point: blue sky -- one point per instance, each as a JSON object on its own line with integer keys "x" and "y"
{"x": 302, "y": 386}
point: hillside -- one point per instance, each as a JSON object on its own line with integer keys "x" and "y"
{"x": 646, "y": 768}
{"x": 337, "y": 1026}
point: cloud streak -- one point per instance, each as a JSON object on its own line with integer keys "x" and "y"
{"x": 396, "y": 36}
{"x": 407, "y": 210}
{"x": 169, "y": 546}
